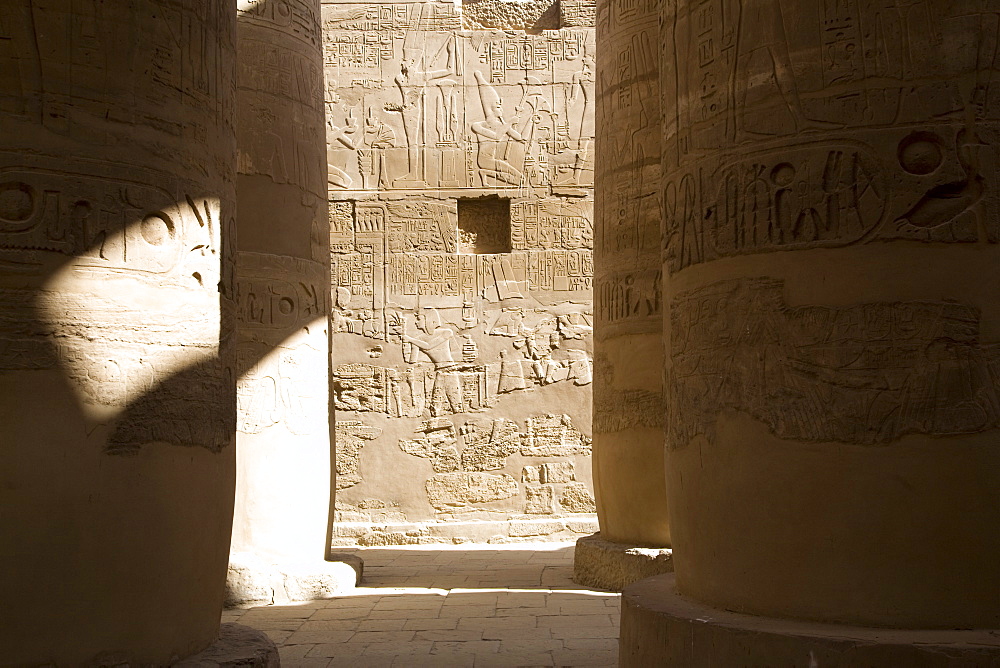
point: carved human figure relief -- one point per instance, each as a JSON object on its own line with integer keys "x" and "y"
{"x": 462, "y": 230}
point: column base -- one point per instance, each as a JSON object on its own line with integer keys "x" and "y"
{"x": 606, "y": 565}
{"x": 659, "y": 627}
{"x": 237, "y": 646}
{"x": 252, "y": 580}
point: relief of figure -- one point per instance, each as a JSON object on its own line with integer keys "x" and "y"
{"x": 377, "y": 137}
{"x": 412, "y": 82}
{"x": 492, "y": 135}
{"x": 539, "y": 344}
{"x": 581, "y": 369}
{"x": 342, "y": 317}
{"x": 348, "y": 137}
{"x": 409, "y": 393}
{"x": 762, "y": 25}
{"x": 581, "y": 93}
{"x": 511, "y": 374}
{"x": 435, "y": 343}
{"x": 266, "y": 153}
{"x": 569, "y": 329}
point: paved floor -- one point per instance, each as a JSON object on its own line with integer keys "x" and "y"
{"x": 464, "y": 605}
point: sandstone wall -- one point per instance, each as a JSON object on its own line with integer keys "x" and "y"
{"x": 460, "y": 172}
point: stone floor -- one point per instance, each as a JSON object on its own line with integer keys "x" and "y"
{"x": 464, "y": 605}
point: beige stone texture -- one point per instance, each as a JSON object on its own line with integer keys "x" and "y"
{"x": 252, "y": 580}
{"x": 659, "y": 627}
{"x": 283, "y": 493}
{"x": 237, "y": 646}
{"x": 602, "y": 563}
{"x": 117, "y": 400}
{"x": 116, "y": 260}
{"x": 460, "y": 605}
{"x": 460, "y": 159}
{"x": 831, "y": 251}
{"x": 628, "y": 388}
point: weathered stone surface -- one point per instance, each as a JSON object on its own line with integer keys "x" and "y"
{"x": 661, "y": 627}
{"x": 237, "y": 646}
{"x": 533, "y": 528}
{"x": 257, "y": 581}
{"x": 553, "y": 436}
{"x": 576, "y": 498}
{"x": 538, "y": 499}
{"x": 459, "y": 529}
{"x": 351, "y": 436}
{"x": 831, "y": 353}
{"x": 117, "y": 399}
{"x": 460, "y": 155}
{"x": 601, "y": 563}
{"x": 446, "y": 490}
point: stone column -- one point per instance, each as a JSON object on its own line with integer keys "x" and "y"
{"x": 280, "y": 529}
{"x": 628, "y": 392}
{"x": 117, "y": 394}
{"x": 833, "y": 326}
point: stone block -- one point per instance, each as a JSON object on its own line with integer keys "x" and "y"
{"x": 533, "y": 528}
{"x": 237, "y": 646}
{"x": 601, "y": 563}
{"x": 252, "y": 580}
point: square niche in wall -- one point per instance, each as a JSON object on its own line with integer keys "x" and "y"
{"x": 484, "y": 225}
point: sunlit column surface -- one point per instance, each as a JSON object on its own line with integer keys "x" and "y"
{"x": 283, "y": 489}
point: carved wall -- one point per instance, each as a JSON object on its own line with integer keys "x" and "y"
{"x": 461, "y": 224}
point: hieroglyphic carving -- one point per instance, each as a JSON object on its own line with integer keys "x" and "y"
{"x": 548, "y": 225}
{"x": 863, "y": 374}
{"x": 434, "y": 104}
{"x": 862, "y": 140}
{"x": 478, "y": 447}
{"x": 574, "y": 13}
{"x": 461, "y": 162}
{"x": 107, "y": 223}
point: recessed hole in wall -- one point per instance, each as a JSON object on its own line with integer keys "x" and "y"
{"x": 484, "y": 225}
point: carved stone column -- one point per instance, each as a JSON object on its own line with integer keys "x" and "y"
{"x": 833, "y": 326}
{"x": 117, "y": 394}
{"x": 628, "y": 394}
{"x": 280, "y": 530}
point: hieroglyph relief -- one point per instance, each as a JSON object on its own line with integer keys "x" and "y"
{"x": 863, "y": 137}
{"x": 281, "y": 332}
{"x": 414, "y": 101}
{"x": 99, "y": 231}
{"x": 864, "y": 374}
{"x": 461, "y": 217}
